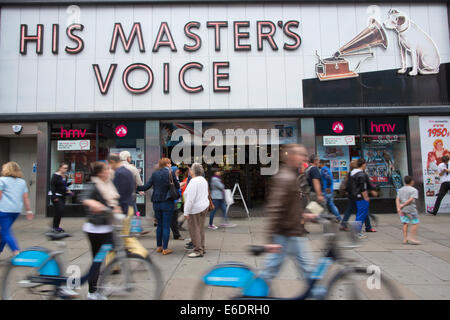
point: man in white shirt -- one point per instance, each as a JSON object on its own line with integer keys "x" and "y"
{"x": 444, "y": 176}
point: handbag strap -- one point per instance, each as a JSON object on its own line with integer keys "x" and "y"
{"x": 170, "y": 177}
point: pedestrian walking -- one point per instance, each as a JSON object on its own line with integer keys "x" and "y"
{"x": 13, "y": 196}
{"x": 444, "y": 178}
{"x": 351, "y": 203}
{"x": 59, "y": 190}
{"x": 163, "y": 204}
{"x": 285, "y": 210}
{"x": 314, "y": 180}
{"x": 406, "y": 209}
{"x": 100, "y": 198}
{"x": 125, "y": 157}
{"x": 124, "y": 182}
{"x": 174, "y": 226}
{"x": 328, "y": 189}
{"x": 196, "y": 207}
{"x": 217, "y": 188}
{"x": 359, "y": 186}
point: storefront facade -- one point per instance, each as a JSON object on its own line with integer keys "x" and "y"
{"x": 95, "y": 78}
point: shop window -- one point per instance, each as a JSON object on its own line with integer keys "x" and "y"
{"x": 114, "y": 137}
{"x": 382, "y": 144}
{"x": 75, "y": 144}
{"x": 248, "y": 174}
{"x": 338, "y": 142}
{"x": 384, "y": 148}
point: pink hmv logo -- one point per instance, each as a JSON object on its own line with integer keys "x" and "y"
{"x": 121, "y": 131}
{"x": 381, "y": 127}
{"x": 337, "y": 127}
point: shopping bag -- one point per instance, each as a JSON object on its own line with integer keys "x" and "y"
{"x": 228, "y": 197}
{"x": 315, "y": 207}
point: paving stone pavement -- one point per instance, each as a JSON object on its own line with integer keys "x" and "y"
{"x": 419, "y": 271}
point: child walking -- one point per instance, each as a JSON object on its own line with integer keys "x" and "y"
{"x": 406, "y": 209}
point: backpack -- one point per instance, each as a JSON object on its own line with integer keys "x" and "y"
{"x": 351, "y": 188}
{"x": 303, "y": 184}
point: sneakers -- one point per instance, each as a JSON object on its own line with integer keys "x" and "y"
{"x": 96, "y": 296}
{"x": 361, "y": 236}
{"x": 58, "y": 230}
{"x": 195, "y": 255}
{"x": 213, "y": 227}
{"x": 189, "y": 246}
{"x": 228, "y": 225}
{"x": 167, "y": 251}
{"x": 371, "y": 230}
{"x": 67, "y": 293}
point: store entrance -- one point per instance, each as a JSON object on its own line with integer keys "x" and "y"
{"x": 248, "y": 176}
{"x": 22, "y": 151}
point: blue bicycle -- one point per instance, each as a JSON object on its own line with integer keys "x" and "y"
{"x": 37, "y": 273}
{"x": 348, "y": 282}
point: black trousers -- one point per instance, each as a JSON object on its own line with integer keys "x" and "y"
{"x": 59, "y": 211}
{"x": 97, "y": 240}
{"x": 174, "y": 224}
{"x": 445, "y": 186}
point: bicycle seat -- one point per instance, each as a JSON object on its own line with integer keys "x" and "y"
{"x": 52, "y": 236}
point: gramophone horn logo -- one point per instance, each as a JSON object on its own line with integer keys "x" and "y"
{"x": 337, "y": 67}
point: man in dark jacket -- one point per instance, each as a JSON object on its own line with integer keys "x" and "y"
{"x": 359, "y": 186}
{"x": 124, "y": 183}
{"x": 285, "y": 205}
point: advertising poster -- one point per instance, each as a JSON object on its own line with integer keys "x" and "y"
{"x": 379, "y": 163}
{"x": 339, "y": 159}
{"x": 435, "y": 143}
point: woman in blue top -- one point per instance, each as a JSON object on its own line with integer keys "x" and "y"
{"x": 163, "y": 204}
{"x": 13, "y": 195}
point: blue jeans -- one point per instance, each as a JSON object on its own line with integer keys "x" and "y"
{"x": 362, "y": 211}
{"x": 163, "y": 214}
{"x": 351, "y": 208}
{"x": 331, "y": 206}
{"x": 218, "y": 203}
{"x": 297, "y": 247}
{"x": 6, "y": 221}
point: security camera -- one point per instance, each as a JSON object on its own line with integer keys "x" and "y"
{"x": 17, "y": 129}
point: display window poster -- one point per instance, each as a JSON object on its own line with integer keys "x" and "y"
{"x": 380, "y": 164}
{"x": 435, "y": 143}
{"x": 338, "y": 157}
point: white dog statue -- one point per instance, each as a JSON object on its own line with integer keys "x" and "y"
{"x": 424, "y": 53}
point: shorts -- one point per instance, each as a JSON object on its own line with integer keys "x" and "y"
{"x": 410, "y": 219}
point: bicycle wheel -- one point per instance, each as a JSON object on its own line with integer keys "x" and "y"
{"x": 16, "y": 286}
{"x": 358, "y": 283}
{"x": 131, "y": 278}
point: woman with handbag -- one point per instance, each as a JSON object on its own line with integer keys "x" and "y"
{"x": 165, "y": 192}
{"x": 101, "y": 200}
{"x": 197, "y": 204}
